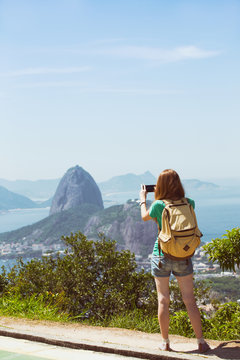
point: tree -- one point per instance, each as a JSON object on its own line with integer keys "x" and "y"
{"x": 226, "y": 250}
{"x": 91, "y": 279}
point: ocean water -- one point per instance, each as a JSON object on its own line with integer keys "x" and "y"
{"x": 14, "y": 219}
{"x": 216, "y": 216}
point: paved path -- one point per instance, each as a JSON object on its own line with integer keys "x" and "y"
{"x": 112, "y": 340}
{"x": 16, "y": 349}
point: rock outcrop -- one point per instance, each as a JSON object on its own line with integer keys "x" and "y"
{"x": 123, "y": 223}
{"x": 77, "y": 187}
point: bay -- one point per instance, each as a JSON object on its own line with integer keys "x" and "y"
{"x": 17, "y": 218}
{"x": 216, "y": 216}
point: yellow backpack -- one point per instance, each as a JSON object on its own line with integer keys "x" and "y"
{"x": 180, "y": 235}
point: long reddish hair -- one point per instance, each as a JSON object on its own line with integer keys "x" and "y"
{"x": 169, "y": 186}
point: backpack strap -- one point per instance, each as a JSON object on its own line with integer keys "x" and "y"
{"x": 166, "y": 202}
{"x": 159, "y": 246}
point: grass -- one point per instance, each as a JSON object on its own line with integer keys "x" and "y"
{"x": 33, "y": 307}
{"x": 135, "y": 320}
{"x": 37, "y": 307}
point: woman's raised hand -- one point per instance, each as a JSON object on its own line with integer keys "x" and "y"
{"x": 143, "y": 193}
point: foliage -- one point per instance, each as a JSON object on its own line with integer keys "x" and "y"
{"x": 94, "y": 279}
{"x": 227, "y": 288}
{"x": 3, "y": 280}
{"x": 225, "y": 324}
{"x": 226, "y": 250}
{"x": 180, "y": 324}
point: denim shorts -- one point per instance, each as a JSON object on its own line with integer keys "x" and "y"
{"x": 176, "y": 267}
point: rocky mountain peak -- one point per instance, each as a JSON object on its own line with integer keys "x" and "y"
{"x": 75, "y": 188}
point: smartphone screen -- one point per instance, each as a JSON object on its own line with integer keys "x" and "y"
{"x": 150, "y": 188}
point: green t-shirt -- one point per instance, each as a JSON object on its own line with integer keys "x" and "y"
{"x": 155, "y": 211}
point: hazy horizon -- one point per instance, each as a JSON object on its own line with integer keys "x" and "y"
{"x": 234, "y": 181}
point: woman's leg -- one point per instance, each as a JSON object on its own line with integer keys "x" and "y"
{"x": 186, "y": 287}
{"x": 162, "y": 285}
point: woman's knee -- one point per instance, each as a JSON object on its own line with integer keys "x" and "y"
{"x": 163, "y": 300}
{"x": 189, "y": 301}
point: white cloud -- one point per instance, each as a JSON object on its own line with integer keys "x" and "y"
{"x": 158, "y": 54}
{"x": 44, "y": 71}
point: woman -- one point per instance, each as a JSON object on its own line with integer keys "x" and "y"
{"x": 169, "y": 187}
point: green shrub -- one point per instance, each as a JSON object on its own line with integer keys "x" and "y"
{"x": 180, "y": 324}
{"x": 3, "y": 280}
{"x": 93, "y": 278}
{"x": 226, "y": 250}
{"x": 225, "y": 323}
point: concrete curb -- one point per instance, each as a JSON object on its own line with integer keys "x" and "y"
{"x": 104, "y": 348}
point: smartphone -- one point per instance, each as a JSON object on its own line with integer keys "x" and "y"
{"x": 150, "y": 188}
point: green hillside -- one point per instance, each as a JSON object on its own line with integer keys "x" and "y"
{"x": 109, "y": 221}
{"x": 52, "y": 227}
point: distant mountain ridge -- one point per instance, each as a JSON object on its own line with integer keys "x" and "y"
{"x": 116, "y": 190}
{"x": 195, "y": 184}
{"x": 9, "y": 200}
{"x": 128, "y": 182}
{"x": 121, "y": 188}
{"x": 33, "y": 189}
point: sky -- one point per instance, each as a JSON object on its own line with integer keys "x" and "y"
{"x": 119, "y": 87}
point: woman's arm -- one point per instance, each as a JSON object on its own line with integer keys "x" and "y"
{"x": 143, "y": 197}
